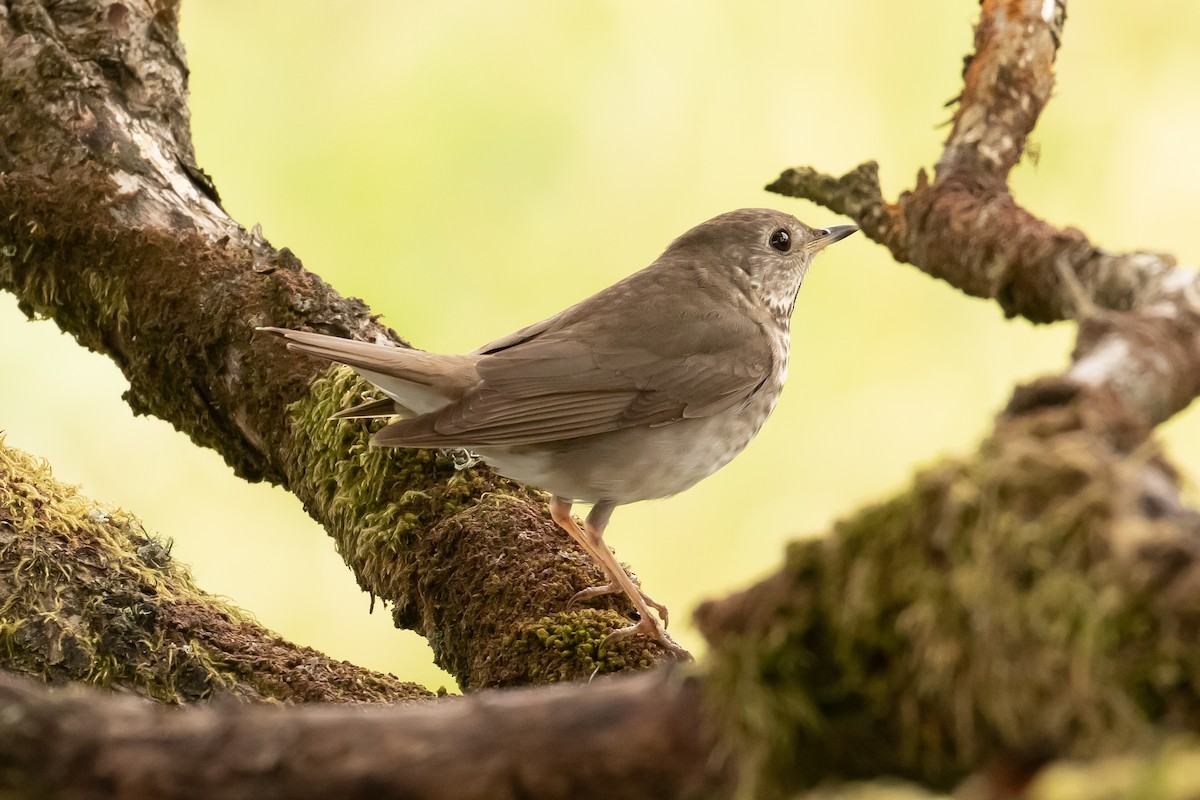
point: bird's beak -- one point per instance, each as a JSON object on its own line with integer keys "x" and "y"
{"x": 827, "y": 236}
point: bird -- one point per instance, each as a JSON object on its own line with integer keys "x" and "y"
{"x": 635, "y": 393}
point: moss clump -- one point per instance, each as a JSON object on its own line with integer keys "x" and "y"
{"x": 991, "y": 610}
{"x": 87, "y": 595}
{"x": 373, "y": 501}
{"x": 31, "y": 240}
{"x": 82, "y": 592}
{"x": 567, "y": 643}
{"x": 487, "y": 576}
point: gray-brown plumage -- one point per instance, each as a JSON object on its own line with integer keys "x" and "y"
{"x": 635, "y": 393}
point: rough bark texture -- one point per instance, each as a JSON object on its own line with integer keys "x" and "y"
{"x": 495, "y": 745}
{"x": 86, "y": 595}
{"x": 108, "y": 227}
{"x": 966, "y": 228}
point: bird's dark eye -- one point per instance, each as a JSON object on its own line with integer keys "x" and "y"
{"x": 781, "y": 240}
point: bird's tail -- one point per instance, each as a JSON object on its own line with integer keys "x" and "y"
{"x": 418, "y": 382}
{"x": 387, "y": 407}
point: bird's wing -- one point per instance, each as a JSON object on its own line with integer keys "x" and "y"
{"x": 523, "y": 335}
{"x": 569, "y": 380}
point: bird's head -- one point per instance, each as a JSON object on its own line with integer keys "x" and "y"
{"x": 765, "y": 253}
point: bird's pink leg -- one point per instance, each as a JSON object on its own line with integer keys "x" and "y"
{"x": 591, "y": 539}
{"x": 560, "y": 512}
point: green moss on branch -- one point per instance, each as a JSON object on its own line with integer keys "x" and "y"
{"x": 87, "y": 595}
{"x": 1013, "y": 606}
{"x": 468, "y": 559}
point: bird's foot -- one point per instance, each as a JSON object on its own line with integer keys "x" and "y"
{"x": 647, "y": 627}
{"x": 612, "y": 587}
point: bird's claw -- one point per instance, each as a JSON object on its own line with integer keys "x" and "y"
{"x": 584, "y": 595}
{"x": 651, "y": 629}
{"x": 612, "y": 587}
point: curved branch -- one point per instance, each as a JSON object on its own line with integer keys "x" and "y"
{"x": 966, "y": 229}
{"x": 1034, "y": 602}
{"x": 108, "y": 227}
{"x": 87, "y": 595}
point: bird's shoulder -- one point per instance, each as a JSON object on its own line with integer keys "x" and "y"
{"x": 678, "y": 333}
{"x": 675, "y": 309}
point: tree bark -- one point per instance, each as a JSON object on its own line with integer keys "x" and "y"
{"x": 629, "y": 738}
{"x": 108, "y": 227}
{"x": 86, "y": 595}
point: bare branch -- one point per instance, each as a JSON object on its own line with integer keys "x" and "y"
{"x": 629, "y": 737}
{"x": 1006, "y": 84}
{"x": 966, "y": 229}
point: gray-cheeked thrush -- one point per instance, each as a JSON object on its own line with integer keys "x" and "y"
{"x": 635, "y": 393}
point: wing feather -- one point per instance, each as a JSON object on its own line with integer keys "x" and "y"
{"x": 579, "y": 374}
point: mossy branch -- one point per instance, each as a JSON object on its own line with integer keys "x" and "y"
{"x": 86, "y": 595}
{"x": 108, "y": 227}
{"x": 1036, "y": 602}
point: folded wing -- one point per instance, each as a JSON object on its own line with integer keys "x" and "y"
{"x": 555, "y": 385}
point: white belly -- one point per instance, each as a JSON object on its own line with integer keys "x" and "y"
{"x": 635, "y": 463}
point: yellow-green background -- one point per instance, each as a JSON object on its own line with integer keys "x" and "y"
{"x": 469, "y": 167}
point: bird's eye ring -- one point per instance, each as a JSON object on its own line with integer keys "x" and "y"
{"x": 781, "y": 240}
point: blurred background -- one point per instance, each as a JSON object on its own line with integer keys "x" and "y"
{"x": 470, "y": 167}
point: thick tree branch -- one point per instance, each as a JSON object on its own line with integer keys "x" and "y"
{"x": 108, "y": 227}
{"x": 629, "y": 737}
{"x": 86, "y": 595}
{"x": 1035, "y": 602}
